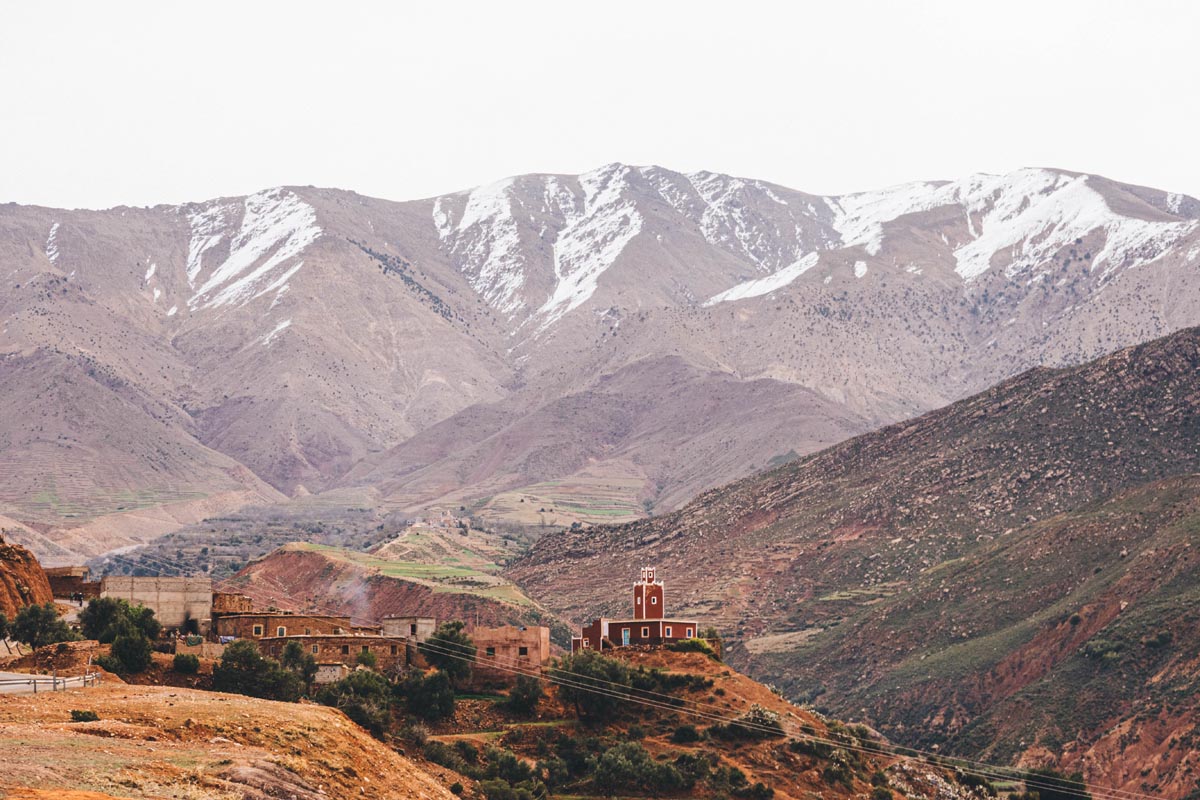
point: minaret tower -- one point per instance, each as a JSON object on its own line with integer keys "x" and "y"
{"x": 648, "y": 596}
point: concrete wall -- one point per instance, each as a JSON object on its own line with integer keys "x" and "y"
{"x": 174, "y": 600}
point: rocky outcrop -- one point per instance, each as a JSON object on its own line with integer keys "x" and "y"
{"x": 22, "y": 581}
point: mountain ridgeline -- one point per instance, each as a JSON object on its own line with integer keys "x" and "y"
{"x": 598, "y": 346}
{"x": 1012, "y": 577}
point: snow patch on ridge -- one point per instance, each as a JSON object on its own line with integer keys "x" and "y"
{"x": 761, "y": 286}
{"x": 860, "y": 269}
{"x": 597, "y": 229}
{"x": 52, "y": 243}
{"x": 276, "y": 227}
{"x": 280, "y": 328}
{"x": 1031, "y": 213}
{"x": 150, "y": 272}
{"x": 486, "y": 241}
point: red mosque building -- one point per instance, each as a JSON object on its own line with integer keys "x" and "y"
{"x": 649, "y": 626}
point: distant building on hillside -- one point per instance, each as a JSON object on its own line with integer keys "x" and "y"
{"x": 276, "y": 624}
{"x": 68, "y": 581}
{"x": 650, "y": 625}
{"x": 342, "y": 649}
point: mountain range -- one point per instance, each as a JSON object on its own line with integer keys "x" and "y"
{"x": 600, "y": 346}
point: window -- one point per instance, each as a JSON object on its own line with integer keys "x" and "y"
{"x": 314, "y": 649}
{"x": 307, "y": 632}
{"x": 587, "y": 642}
{"x": 639, "y": 601}
{"x": 281, "y": 631}
{"x": 393, "y": 649}
{"x": 645, "y": 633}
{"x": 667, "y": 631}
{"x": 522, "y": 651}
{"x": 258, "y": 630}
{"x": 412, "y": 629}
{"x": 688, "y": 632}
{"x": 653, "y": 601}
{"x": 345, "y": 649}
{"x": 491, "y": 652}
{"x": 366, "y": 648}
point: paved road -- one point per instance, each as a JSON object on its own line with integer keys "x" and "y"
{"x": 23, "y": 683}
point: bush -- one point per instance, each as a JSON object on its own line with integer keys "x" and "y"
{"x": 365, "y": 659}
{"x": 524, "y": 696}
{"x": 186, "y": 664}
{"x": 694, "y": 646}
{"x": 456, "y": 788}
{"x": 84, "y": 716}
{"x": 364, "y": 697}
{"x": 1052, "y": 785}
{"x": 594, "y": 684}
{"x": 628, "y": 767}
{"x": 757, "y": 723}
{"x": 243, "y": 670}
{"x": 685, "y": 734}
{"x": 294, "y": 659}
{"x": 131, "y": 651}
{"x": 429, "y": 697}
{"x": 106, "y": 618}
{"x": 38, "y": 626}
{"x": 881, "y": 793}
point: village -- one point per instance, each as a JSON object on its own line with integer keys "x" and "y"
{"x": 201, "y": 620}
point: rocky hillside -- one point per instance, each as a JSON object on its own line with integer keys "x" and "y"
{"x": 1004, "y": 576}
{"x": 153, "y": 742}
{"x": 22, "y": 581}
{"x": 172, "y": 363}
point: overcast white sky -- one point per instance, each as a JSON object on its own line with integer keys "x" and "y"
{"x": 142, "y": 103}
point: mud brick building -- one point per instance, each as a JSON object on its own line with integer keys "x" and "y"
{"x": 389, "y": 651}
{"x": 279, "y": 624}
{"x": 503, "y": 653}
{"x": 232, "y": 603}
{"x": 649, "y": 626}
{"x": 66, "y": 581}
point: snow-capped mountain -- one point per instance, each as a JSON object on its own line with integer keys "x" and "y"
{"x": 677, "y": 330}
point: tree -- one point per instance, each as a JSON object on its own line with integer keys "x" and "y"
{"x": 430, "y": 697}
{"x": 451, "y": 651}
{"x": 524, "y": 696}
{"x": 3, "y": 626}
{"x": 186, "y": 664}
{"x": 131, "y": 652}
{"x": 367, "y": 659}
{"x": 294, "y": 658}
{"x": 1052, "y": 785}
{"x": 243, "y": 670}
{"x": 364, "y": 697}
{"x": 628, "y": 767}
{"x": 106, "y": 618}
{"x": 593, "y": 683}
{"x": 38, "y": 626}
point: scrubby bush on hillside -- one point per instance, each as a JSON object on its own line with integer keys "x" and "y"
{"x": 243, "y": 670}
{"x": 364, "y": 697}
{"x": 294, "y": 658}
{"x": 38, "y": 626}
{"x": 430, "y": 697}
{"x": 186, "y": 664}
{"x": 685, "y": 734}
{"x": 628, "y": 767}
{"x": 694, "y": 646}
{"x": 757, "y": 723}
{"x": 524, "y": 696}
{"x": 594, "y": 684}
{"x": 130, "y": 654}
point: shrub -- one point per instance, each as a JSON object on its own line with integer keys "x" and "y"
{"x": 881, "y": 793}
{"x": 132, "y": 652}
{"x": 685, "y": 734}
{"x": 694, "y": 646}
{"x": 757, "y": 723}
{"x": 38, "y": 626}
{"x": 186, "y": 664}
{"x": 456, "y": 788}
{"x": 524, "y": 696}
{"x": 594, "y": 684}
{"x": 294, "y": 659}
{"x": 106, "y": 618}
{"x": 366, "y": 659}
{"x": 84, "y": 716}
{"x": 628, "y": 767}
{"x": 364, "y": 697}
{"x": 243, "y": 670}
{"x": 429, "y": 697}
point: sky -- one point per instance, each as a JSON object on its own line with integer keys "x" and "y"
{"x": 142, "y": 103}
